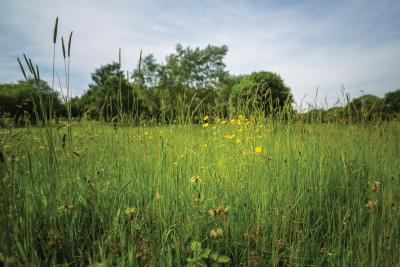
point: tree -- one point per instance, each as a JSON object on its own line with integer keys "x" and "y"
{"x": 223, "y": 93}
{"x": 187, "y": 82}
{"x": 366, "y": 107}
{"x": 392, "y": 103}
{"x": 18, "y": 100}
{"x": 110, "y": 95}
{"x": 265, "y": 91}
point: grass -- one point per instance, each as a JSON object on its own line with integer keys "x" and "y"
{"x": 316, "y": 194}
{"x": 244, "y": 191}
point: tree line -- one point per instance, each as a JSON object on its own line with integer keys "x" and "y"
{"x": 190, "y": 83}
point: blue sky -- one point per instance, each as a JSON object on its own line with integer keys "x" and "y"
{"x": 311, "y": 44}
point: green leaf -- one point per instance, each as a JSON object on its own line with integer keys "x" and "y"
{"x": 214, "y": 256}
{"x": 190, "y": 260}
{"x": 205, "y": 253}
{"x": 223, "y": 259}
{"x": 195, "y": 246}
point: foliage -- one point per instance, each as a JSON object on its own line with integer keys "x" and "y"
{"x": 188, "y": 78}
{"x": 200, "y": 255}
{"x": 262, "y": 90}
{"x": 110, "y": 95}
{"x": 21, "y": 100}
{"x": 392, "y": 103}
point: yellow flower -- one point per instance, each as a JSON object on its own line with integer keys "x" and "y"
{"x": 195, "y": 180}
{"x": 205, "y": 125}
{"x": 205, "y": 118}
{"x": 205, "y": 145}
{"x": 158, "y": 196}
{"x": 238, "y": 141}
{"x": 258, "y": 150}
{"x": 65, "y": 208}
{"x": 216, "y": 233}
{"x": 229, "y": 136}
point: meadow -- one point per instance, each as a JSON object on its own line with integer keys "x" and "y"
{"x": 240, "y": 191}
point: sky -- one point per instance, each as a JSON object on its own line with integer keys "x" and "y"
{"x": 322, "y": 49}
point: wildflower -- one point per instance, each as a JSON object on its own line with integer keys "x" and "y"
{"x": 205, "y": 118}
{"x": 216, "y": 233}
{"x": 230, "y": 136}
{"x": 158, "y": 197}
{"x": 205, "y": 125}
{"x": 65, "y": 208}
{"x": 15, "y": 158}
{"x": 130, "y": 212}
{"x": 205, "y": 145}
{"x": 195, "y": 180}
{"x": 218, "y": 211}
{"x": 374, "y": 186}
{"x": 238, "y": 141}
{"x": 258, "y": 150}
{"x": 55, "y": 240}
{"x": 198, "y": 197}
{"x": 115, "y": 248}
{"x": 372, "y": 205}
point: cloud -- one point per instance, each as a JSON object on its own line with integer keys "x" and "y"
{"x": 310, "y": 44}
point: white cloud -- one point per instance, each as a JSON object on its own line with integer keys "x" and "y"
{"x": 310, "y": 44}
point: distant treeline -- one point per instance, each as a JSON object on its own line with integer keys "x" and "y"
{"x": 189, "y": 84}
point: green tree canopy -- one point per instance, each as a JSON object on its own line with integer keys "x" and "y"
{"x": 18, "y": 99}
{"x": 366, "y": 107}
{"x": 109, "y": 95}
{"x": 189, "y": 78}
{"x": 261, "y": 90}
{"x": 392, "y": 102}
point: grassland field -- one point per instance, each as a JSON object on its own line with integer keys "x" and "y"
{"x": 228, "y": 192}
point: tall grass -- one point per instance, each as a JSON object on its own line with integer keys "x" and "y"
{"x": 264, "y": 191}
{"x": 307, "y": 198}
